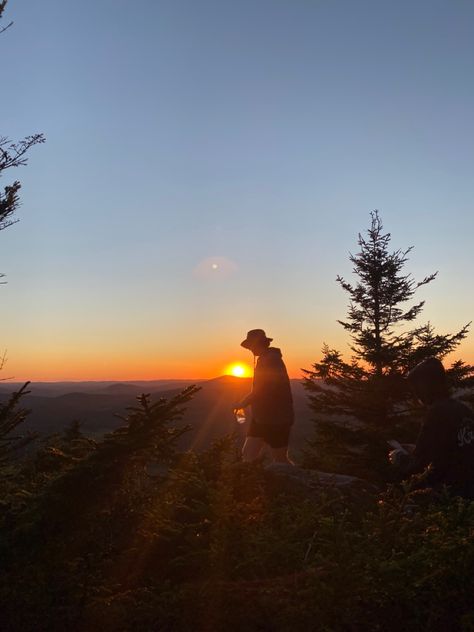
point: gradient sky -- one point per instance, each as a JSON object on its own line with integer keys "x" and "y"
{"x": 254, "y": 135}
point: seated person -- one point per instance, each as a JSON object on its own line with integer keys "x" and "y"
{"x": 446, "y": 439}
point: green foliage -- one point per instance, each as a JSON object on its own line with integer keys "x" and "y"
{"x": 14, "y": 490}
{"x": 3, "y": 5}
{"x": 12, "y": 154}
{"x": 85, "y": 500}
{"x": 12, "y": 416}
{"x": 62, "y": 451}
{"x": 377, "y": 301}
{"x": 359, "y": 404}
{"x": 148, "y": 431}
{"x": 215, "y": 544}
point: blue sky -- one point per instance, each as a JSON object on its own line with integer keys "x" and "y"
{"x": 259, "y": 134}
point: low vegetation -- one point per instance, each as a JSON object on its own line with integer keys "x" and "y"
{"x": 129, "y": 534}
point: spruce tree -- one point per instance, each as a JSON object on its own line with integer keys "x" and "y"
{"x": 11, "y": 416}
{"x": 150, "y": 432}
{"x": 361, "y": 403}
{"x": 12, "y": 154}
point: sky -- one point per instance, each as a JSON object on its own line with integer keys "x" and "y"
{"x": 208, "y": 167}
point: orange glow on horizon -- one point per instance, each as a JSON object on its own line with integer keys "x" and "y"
{"x": 95, "y": 360}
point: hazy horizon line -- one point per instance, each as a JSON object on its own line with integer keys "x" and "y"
{"x": 14, "y": 380}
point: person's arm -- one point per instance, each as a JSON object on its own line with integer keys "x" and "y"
{"x": 246, "y": 401}
{"x": 427, "y": 447}
{"x": 256, "y": 390}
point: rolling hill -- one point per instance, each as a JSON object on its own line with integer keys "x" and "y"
{"x": 95, "y": 405}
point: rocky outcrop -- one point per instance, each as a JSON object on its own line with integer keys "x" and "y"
{"x": 314, "y": 484}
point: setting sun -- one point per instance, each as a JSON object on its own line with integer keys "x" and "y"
{"x": 238, "y": 370}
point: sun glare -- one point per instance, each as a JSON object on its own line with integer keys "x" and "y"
{"x": 238, "y": 370}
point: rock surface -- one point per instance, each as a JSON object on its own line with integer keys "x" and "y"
{"x": 313, "y": 483}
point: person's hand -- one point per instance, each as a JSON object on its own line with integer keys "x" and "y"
{"x": 394, "y": 456}
{"x": 240, "y": 415}
{"x": 399, "y": 458}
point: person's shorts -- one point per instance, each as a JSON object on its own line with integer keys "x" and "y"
{"x": 276, "y": 436}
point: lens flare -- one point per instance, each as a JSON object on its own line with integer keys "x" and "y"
{"x": 216, "y": 268}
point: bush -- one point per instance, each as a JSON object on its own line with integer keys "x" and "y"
{"x": 213, "y": 544}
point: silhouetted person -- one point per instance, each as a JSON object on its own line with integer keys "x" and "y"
{"x": 270, "y": 400}
{"x": 446, "y": 439}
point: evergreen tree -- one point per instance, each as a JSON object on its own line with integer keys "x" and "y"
{"x": 361, "y": 403}
{"x": 12, "y": 154}
{"x": 150, "y": 432}
{"x": 11, "y": 416}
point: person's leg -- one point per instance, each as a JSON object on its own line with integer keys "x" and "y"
{"x": 280, "y": 455}
{"x": 278, "y": 438}
{"x": 252, "y": 448}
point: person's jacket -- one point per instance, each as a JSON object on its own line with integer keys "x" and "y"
{"x": 446, "y": 441}
{"x": 271, "y": 398}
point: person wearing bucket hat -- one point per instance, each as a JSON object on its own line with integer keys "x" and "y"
{"x": 256, "y": 337}
{"x": 446, "y": 439}
{"x": 271, "y": 401}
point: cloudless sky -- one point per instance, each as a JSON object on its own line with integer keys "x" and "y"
{"x": 208, "y": 166}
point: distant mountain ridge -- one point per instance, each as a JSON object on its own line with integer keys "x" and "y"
{"x": 96, "y": 405}
{"x": 52, "y": 389}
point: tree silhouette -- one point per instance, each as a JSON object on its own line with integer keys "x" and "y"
{"x": 359, "y": 404}
{"x": 11, "y": 416}
{"x": 12, "y": 154}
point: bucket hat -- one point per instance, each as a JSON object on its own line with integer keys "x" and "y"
{"x": 255, "y": 336}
